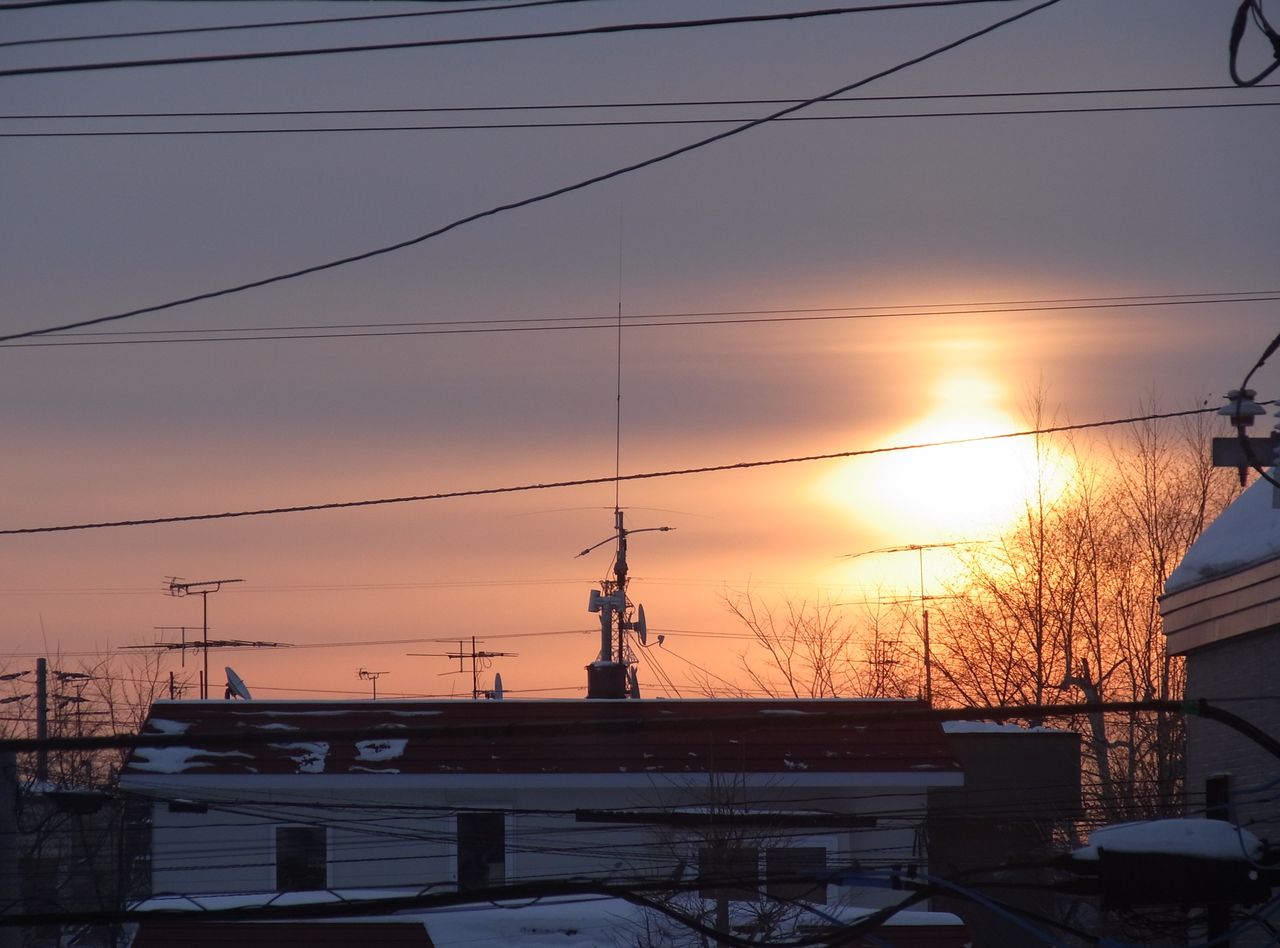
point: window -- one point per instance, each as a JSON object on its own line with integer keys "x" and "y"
{"x": 482, "y": 850}
{"x": 729, "y": 872}
{"x": 790, "y": 873}
{"x": 301, "y": 858}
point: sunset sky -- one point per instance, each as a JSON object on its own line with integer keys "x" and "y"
{"x": 941, "y": 228}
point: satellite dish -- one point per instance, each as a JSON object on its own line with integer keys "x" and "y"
{"x": 635, "y": 683}
{"x": 497, "y": 686}
{"x": 642, "y": 627}
{"x": 235, "y": 686}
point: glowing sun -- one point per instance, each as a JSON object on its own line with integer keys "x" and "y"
{"x": 974, "y": 490}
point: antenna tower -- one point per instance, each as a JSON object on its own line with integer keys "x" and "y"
{"x": 612, "y": 674}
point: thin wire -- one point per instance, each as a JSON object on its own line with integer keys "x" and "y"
{"x": 564, "y": 106}
{"x": 628, "y": 123}
{"x": 476, "y": 40}
{"x": 546, "y": 195}
{"x": 319, "y": 21}
{"x": 588, "y": 481}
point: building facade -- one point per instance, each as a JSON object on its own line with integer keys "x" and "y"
{"x": 752, "y": 798}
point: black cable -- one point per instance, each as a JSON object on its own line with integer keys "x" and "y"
{"x": 546, "y": 195}
{"x": 34, "y": 4}
{"x": 627, "y": 123}
{"x": 589, "y": 481}
{"x": 580, "y": 323}
{"x": 567, "y": 106}
{"x": 608, "y": 29}
{"x": 318, "y": 21}
{"x": 1248, "y": 7}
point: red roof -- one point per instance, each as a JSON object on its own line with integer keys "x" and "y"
{"x": 544, "y": 737}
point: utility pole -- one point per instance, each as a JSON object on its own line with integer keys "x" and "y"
{"x": 1217, "y": 806}
{"x": 201, "y": 589}
{"x": 10, "y": 877}
{"x": 1240, "y": 450}
{"x": 42, "y": 719}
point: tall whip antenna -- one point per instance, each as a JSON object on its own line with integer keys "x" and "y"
{"x": 617, "y": 418}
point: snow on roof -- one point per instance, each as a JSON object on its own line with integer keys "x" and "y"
{"x": 1245, "y": 534}
{"x": 1198, "y": 838}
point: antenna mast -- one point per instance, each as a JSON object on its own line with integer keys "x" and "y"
{"x": 612, "y": 674}
{"x": 201, "y": 589}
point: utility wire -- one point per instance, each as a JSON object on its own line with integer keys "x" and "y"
{"x": 673, "y": 103}
{"x": 628, "y": 123}
{"x": 545, "y": 195}
{"x": 317, "y": 21}
{"x": 609, "y": 479}
{"x": 477, "y": 40}
{"x": 579, "y": 323}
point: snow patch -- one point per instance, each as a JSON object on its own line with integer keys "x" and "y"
{"x": 1199, "y": 838}
{"x": 309, "y": 756}
{"x": 385, "y": 749}
{"x": 176, "y": 760}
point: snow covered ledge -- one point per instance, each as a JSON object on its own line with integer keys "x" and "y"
{"x": 1228, "y": 584}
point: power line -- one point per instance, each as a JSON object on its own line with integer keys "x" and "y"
{"x": 871, "y": 311}
{"x": 317, "y": 21}
{"x": 570, "y": 106}
{"x": 589, "y": 481}
{"x": 476, "y": 40}
{"x": 584, "y": 323}
{"x": 545, "y": 195}
{"x": 627, "y": 123}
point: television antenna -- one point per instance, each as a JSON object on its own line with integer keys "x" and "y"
{"x": 481, "y": 660}
{"x": 177, "y": 587}
{"x": 371, "y": 677}
{"x": 918, "y": 549}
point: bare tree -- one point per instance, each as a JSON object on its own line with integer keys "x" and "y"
{"x": 1065, "y": 604}
{"x": 814, "y": 648}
